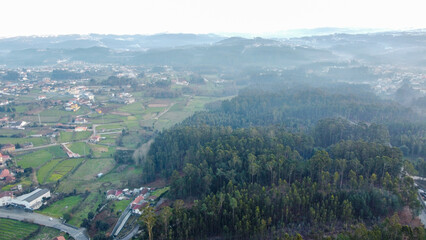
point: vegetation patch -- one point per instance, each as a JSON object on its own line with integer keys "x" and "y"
{"x": 11, "y": 229}
{"x": 58, "y": 208}
{"x": 35, "y": 159}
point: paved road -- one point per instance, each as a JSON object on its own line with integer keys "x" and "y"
{"x": 423, "y": 217}
{"x": 21, "y": 215}
{"x": 33, "y": 148}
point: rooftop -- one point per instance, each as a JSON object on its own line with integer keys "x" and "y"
{"x": 35, "y": 194}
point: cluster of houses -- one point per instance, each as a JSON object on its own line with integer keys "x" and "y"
{"x": 33, "y": 200}
{"x": 123, "y": 98}
{"x": 20, "y": 125}
{"x": 142, "y": 197}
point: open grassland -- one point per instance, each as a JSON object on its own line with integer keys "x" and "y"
{"x": 65, "y": 136}
{"x": 90, "y": 169}
{"x": 102, "y": 151}
{"x": 38, "y": 158}
{"x": 34, "y": 159}
{"x": 58, "y": 208}
{"x": 36, "y": 141}
{"x": 11, "y": 229}
{"x": 81, "y": 148}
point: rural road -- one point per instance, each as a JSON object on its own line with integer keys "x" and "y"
{"x": 21, "y": 215}
{"x": 33, "y": 148}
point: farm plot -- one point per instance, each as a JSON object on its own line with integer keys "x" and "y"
{"x": 79, "y": 147}
{"x": 34, "y": 159}
{"x": 58, "y": 208}
{"x": 11, "y": 229}
{"x": 62, "y": 168}
{"x": 56, "y": 169}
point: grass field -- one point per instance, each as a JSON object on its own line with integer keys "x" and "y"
{"x": 91, "y": 168}
{"x": 62, "y": 168}
{"x": 36, "y": 141}
{"x": 58, "y": 208}
{"x": 160, "y": 191}
{"x": 56, "y": 169}
{"x": 34, "y": 159}
{"x": 65, "y": 136}
{"x": 11, "y": 229}
{"x": 57, "y": 152}
{"x": 119, "y": 206}
{"x": 44, "y": 171}
{"x": 81, "y": 148}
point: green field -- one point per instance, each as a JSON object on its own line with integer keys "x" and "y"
{"x": 119, "y": 206}
{"x": 65, "y": 136}
{"x": 90, "y": 169}
{"x": 36, "y": 141}
{"x": 58, "y": 208}
{"x": 160, "y": 191}
{"x": 62, "y": 168}
{"x": 11, "y": 229}
{"x": 56, "y": 169}
{"x": 34, "y": 159}
{"x": 79, "y": 147}
{"x": 43, "y": 172}
{"x": 74, "y": 136}
{"x": 38, "y": 158}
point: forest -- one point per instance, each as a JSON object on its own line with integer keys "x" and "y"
{"x": 275, "y": 165}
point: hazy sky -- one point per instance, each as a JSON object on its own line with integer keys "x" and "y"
{"x": 51, "y": 17}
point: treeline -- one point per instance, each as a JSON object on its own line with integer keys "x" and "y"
{"x": 300, "y": 109}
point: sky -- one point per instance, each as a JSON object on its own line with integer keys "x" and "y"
{"x": 56, "y": 17}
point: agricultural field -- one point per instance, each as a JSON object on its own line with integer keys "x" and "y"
{"x": 81, "y": 148}
{"x": 102, "y": 151}
{"x": 56, "y": 169}
{"x": 36, "y": 141}
{"x": 34, "y": 159}
{"x": 11, "y": 229}
{"x": 58, "y": 208}
{"x": 74, "y": 136}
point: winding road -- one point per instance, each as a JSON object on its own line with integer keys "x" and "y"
{"x": 21, "y": 215}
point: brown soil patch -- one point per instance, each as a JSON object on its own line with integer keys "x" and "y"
{"x": 121, "y": 113}
{"x": 158, "y": 183}
{"x": 157, "y": 105}
{"x": 406, "y": 218}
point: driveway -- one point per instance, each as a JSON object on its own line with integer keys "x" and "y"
{"x": 21, "y": 215}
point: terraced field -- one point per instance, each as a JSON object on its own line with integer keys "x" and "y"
{"x": 11, "y": 229}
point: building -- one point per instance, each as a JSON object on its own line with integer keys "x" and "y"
{"x": 5, "y": 198}
{"x": 4, "y": 174}
{"x": 32, "y": 200}
{"x": 114, "y": 194}
{"x": 3, "y": 159}
{"x": 59, "y": 238}
{"x": 7, "y": 148}
{"x": 80, "y": 129}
